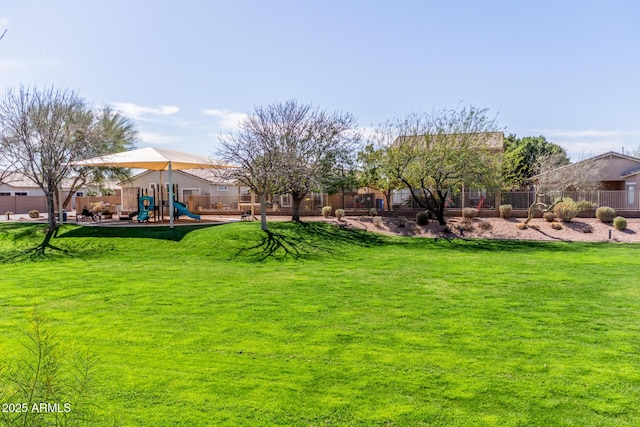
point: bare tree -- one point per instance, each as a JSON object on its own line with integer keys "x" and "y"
{"x": 289, "y": 148}
{"x": 434, "y": 155}
{"x": 254, "y": 152}
{"x": 318, "y": 146}
{"x": 553, "y": 175}
{"x": 42, "y": 132}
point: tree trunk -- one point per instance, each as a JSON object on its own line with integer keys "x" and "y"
{"x": 389, "y": 205}
{"x": 51, "y": 212}
{"x": 295, "y": 208}
{"x": 263, "y": 212}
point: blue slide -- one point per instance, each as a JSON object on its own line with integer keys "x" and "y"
{"x": 182, "y": 210}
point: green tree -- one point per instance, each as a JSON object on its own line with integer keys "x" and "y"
{"x": 435, "y": 154}
{"x": 377, "y": 171}
{"x": 522, "y": 155}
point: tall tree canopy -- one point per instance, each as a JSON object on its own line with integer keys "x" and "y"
{"x": 377, "y": 169}
{"x": 42, "y": 132}
{"x": 435, "y": 154}
{"x": 522, "y": 157}
{"x": 291, "y": 148}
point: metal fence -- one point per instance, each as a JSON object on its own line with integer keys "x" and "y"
{"x": 620, "y": 200}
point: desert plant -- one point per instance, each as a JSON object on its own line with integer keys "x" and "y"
{"x": 585, "y": 205}
{"x": 521, "y": 226}
{"x": 485, "y": 226}
{"x": 45, "y": 374}
{"x": 402, "y": 221}
{"x": 605, "y": 214}
{"x": 620, "y": 223}
{"x": 556, "y": 226}
{"x": 340, "y": 214}
{"x": 373, "y": 212}
{"x": 549, "y": 216}
{"x": 422, "y": 218}
{"x": 377, "y": 221}
{"x": 505, "y": 211}
{"x": 326, "y": 211}
{"x": 469, "y": 213}
{"x": 566, "y": 210}
{"x": 466, "y": 225}
{"x": 8, "y": 214}
{"x": 34, "y": 214}
{"x": 587, "y": 229}
{"x": 106, "y": 212}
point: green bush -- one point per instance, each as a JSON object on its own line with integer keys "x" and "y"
{"x": 340, "y": 214}
{"x": 586, "y": 205}
{"x": 549, "y": 216}
{"x": 505, "y": 211}
{"x": 326, "y": 211}
{"x": 377, "y": 221}
{"x": 605, "y": 214}
{"x": 34, "y": 214}
{"x": 620, "y": 223}
{"x": 373, "y": 212}
{"x": 469, "y": 213}
{"x": 566, "y": 210}
{"x": 402, "y": 221}
{"x": 422, "y": 218}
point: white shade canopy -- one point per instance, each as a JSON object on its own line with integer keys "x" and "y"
{"x": 153, "y": 159}
{"x": 158, "y": 159}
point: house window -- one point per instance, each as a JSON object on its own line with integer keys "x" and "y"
{"x": 5, "y": 193}
{"x": 80, "y": 194}
{"x": 186, "y": 192}
{"x": 20, "y": 193}
{"x": 222, "y": 187}
{"x": 286, "y": 200}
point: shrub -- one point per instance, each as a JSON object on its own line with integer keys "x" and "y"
{"x": 556, "y": 226}
{"x": 469, "y": 213}
{"x": 505, "y": 211}
{"x": 534, "y": 226}
{"x": 620, "y": 223}
{"x": 566, "y": 210}
{"x": 373, "y": 212}
{"x": 549, "y": 216}
{"x": 521, "y": 226}
{"x": 106, "y": 212}
{"x": 586, "y": 205}
{"x": 485, "y": 226}
{"x": 587, "y": 229}
{"x": 339, "y": 214}
{"x": 402, "y": 221}
{"x": 326, "y": 211}
{"x": 466, "y": 226}
{"x": 422, "y": 218}
{"x": 34, "y": 214}
{"x": 377, "y": 221}
{"x": 605, "y": 214}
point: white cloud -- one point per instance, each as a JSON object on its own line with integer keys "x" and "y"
{"x": 137, "y": 111}
{"x": 227, "y": 119}
{"x": 18, "y": 64}
{"x": 581, "y": 143}
{"x": 156, "y": 138}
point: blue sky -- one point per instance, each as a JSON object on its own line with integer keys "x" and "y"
{"x": 186, "y": 71}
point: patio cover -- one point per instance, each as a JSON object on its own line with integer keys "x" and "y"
{"x": 158, "y": 159}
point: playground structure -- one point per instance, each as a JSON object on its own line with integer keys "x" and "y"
{"x": 148, "y": 209}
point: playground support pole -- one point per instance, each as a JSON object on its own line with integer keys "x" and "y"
{"x": 170, "y": 197}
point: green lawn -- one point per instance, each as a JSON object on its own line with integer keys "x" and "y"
{"x": 204, "y": 326}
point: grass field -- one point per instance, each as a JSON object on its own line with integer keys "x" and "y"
{"x": 202, "y": 326}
